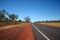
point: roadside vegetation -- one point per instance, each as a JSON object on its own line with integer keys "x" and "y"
{"x": 47, "y": 21}
{"x": 54, "y": 23}
{"x": 7, "y": 18}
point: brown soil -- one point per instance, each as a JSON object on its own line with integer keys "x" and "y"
{"x": 22, "y": 32}
{"x": 26, "y": 34}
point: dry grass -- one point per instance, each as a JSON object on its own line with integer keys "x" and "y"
{"x": 6, "y": 25}
{"x": 52, "y": 24}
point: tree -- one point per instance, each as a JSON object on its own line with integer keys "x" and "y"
{"x": 19, "y": 20}
{"x": 3, "y": 11}
{"x": 27, "y": 19}
{"x": 13, "y": 17}
{"x": 2, "y": 15}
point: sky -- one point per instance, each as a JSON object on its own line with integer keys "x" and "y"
{"x": 37, "y": 10}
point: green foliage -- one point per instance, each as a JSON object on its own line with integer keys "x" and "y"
{"x": 51, "y": 21}
{"x": 5, "y": 16}
{"x": 13, "y": 17}
{"x": 2, "y": 15}
{"x": 19, "y": 20}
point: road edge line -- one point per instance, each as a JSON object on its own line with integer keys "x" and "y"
{"x": 40, "y": 32}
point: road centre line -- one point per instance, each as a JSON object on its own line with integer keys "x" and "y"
{"x": 40, "y": 32}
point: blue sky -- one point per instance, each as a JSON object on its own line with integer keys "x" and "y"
{"x": 37, "y": 10}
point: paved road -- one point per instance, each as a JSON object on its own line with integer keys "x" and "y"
{"x": 44, "y": 32}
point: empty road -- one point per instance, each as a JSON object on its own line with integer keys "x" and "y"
{"x": 44, "y": 32}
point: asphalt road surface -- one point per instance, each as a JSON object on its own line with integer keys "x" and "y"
{"x": 44, "y": 32}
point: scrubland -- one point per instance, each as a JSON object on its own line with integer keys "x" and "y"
{"x": 52, "y": 24}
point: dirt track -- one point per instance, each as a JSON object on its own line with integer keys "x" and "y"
{"x": 17, "y": 33}
{"x": 25, "y": 34}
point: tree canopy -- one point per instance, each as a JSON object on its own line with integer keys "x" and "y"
{"x": 5, "y": 16}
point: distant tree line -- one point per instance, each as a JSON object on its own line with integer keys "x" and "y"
{"x": 6, "y": 17}
{"x": 51, "y": 21}
{"x": 54, "y": 21}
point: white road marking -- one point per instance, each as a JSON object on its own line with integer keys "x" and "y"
{"x": 40, "y": 32}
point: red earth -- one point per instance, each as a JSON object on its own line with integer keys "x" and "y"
{"x": 26, "y": 34}
{"x": 17, "y": 33}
